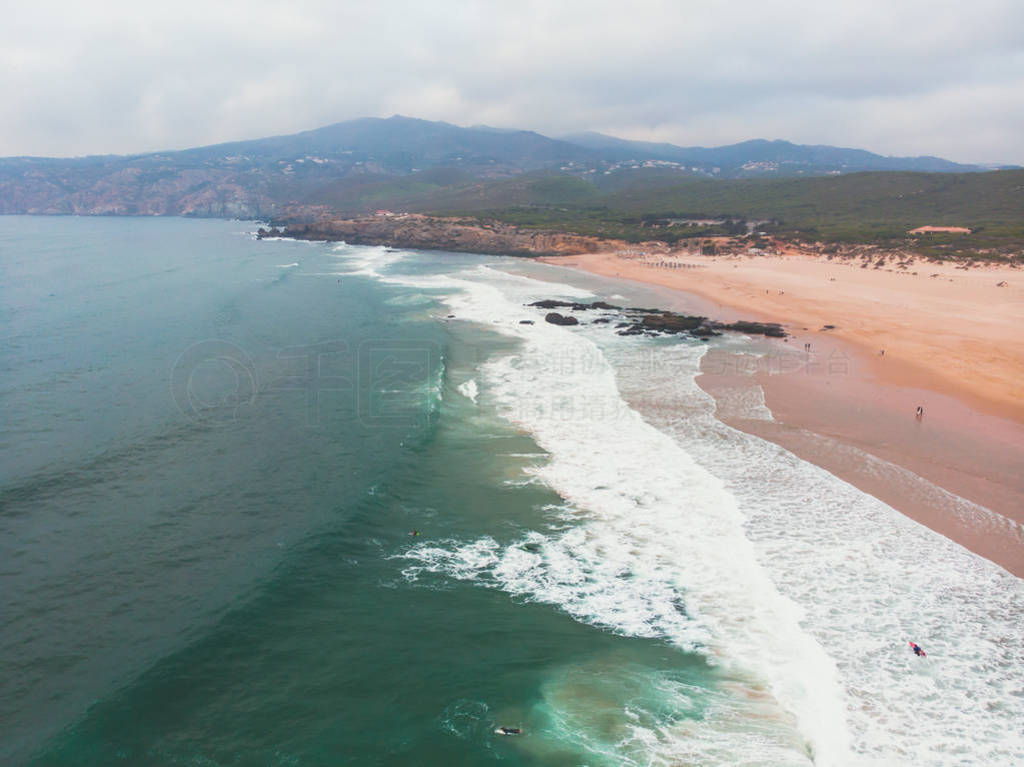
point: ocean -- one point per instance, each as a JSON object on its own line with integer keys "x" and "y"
{"x": 288, "y": 503}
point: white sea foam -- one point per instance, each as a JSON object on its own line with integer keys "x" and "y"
{"x": 368, "y": 261}
{"x": 469, "y": 390}
{"x": 719, "y": 542}
{"x": 287, "y": 266}
{"x": 661, "y": 551}
{"x": 869, "y": 580}
{"x": 287, "y": 239}
{"x": 665, "y": 720}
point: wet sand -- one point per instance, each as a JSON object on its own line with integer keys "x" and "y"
{"x": 955, "y": 469}
{"x": 959, "y": 469}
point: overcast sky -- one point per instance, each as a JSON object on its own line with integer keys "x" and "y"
{"x": 892, "y": 76}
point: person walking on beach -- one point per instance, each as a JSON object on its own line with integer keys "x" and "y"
{"x": 920, "y": 411}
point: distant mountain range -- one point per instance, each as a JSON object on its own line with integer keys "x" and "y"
{"x": 356, "y": 165}
{"x": 771, "y": 158}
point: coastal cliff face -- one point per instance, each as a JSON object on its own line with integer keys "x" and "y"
{"x": 34, "y": 187}
{"x": 455, "y": 234}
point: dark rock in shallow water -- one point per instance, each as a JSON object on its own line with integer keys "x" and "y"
{"x": 550, "y": 303}
{"x": 757, "y": 328}
{"x": 670, "y": 322}
{"x": 638, "y": 321}
{"x": 557, "y": 319}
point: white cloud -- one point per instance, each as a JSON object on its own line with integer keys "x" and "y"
{"x": 898, "y": 77}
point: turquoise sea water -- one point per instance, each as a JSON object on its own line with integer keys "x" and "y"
{"x": 214, "y": 453}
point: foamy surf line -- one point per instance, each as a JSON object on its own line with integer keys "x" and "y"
{"x": 620, "y": 566}
{"x": 709, "y": 560}
{"x": 868, "y": 579}
{"x": 369, "y": 261}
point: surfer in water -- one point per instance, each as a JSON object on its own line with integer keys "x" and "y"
{"x": 509, "y": 731}
{"x": 917, "y": 650}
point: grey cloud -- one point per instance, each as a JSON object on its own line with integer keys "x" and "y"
{"x": 894, "y": 77}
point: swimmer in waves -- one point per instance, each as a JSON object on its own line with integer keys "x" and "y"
{"x": 509, "y": 731}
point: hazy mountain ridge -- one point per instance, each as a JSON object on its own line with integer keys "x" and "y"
{"x": 356, "y": 164}
{"x": 788, "y": 158}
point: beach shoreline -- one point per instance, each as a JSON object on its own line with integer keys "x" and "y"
{"x": 840, "y": 403}
{"x": 942, "y": 327}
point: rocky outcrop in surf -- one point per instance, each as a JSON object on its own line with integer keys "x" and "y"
{"x": 560, "y": 319}
{"x": 636, "y": 321}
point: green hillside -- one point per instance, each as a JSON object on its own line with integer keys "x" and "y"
{"x": 861, "y": 207}
{"x": 860, "y": 201}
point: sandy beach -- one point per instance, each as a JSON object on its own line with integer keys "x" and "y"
{"x": 952, "y": 345}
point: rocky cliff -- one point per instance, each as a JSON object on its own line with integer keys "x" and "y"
{"x": 93, "y": 187}
{"x": 436, "y": 233}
